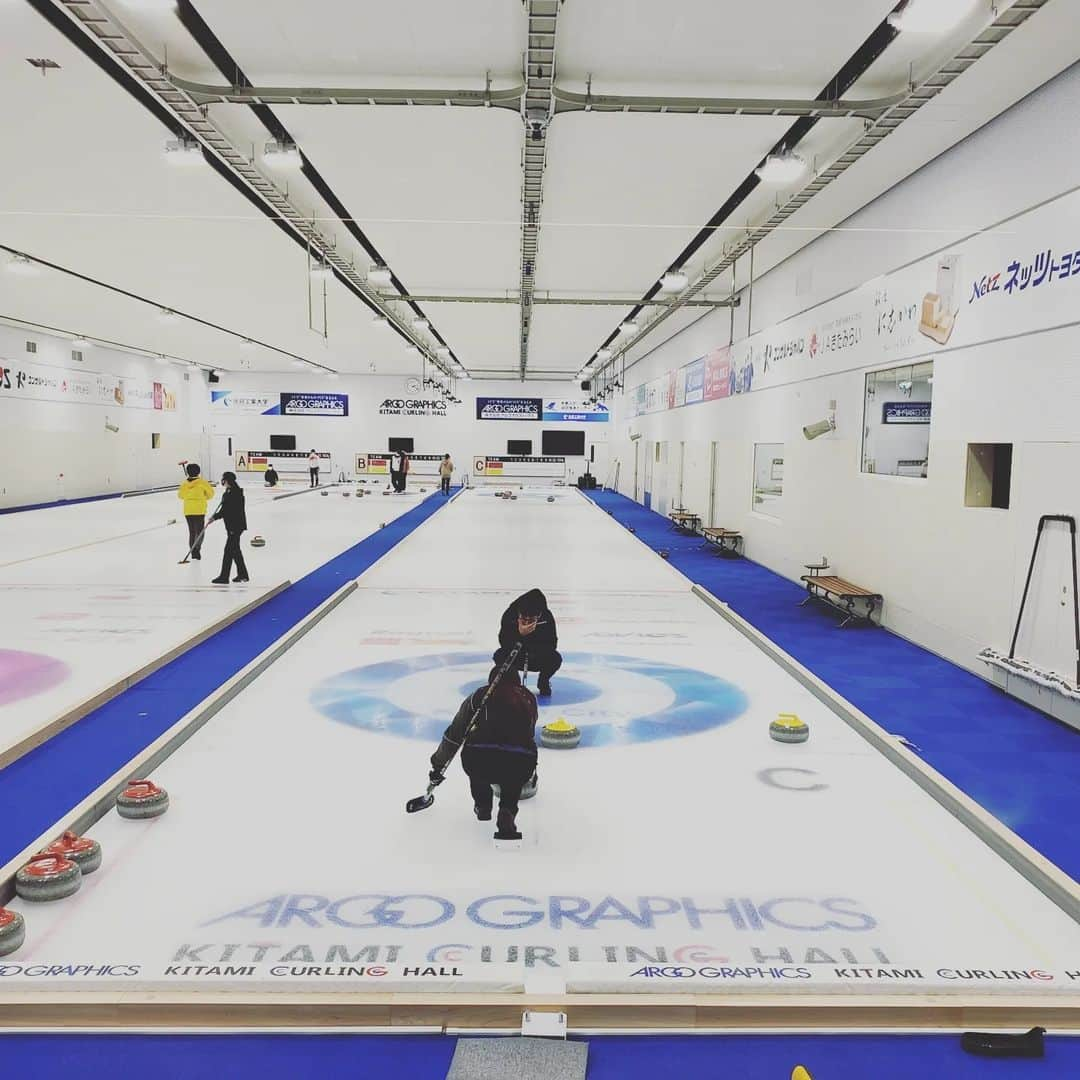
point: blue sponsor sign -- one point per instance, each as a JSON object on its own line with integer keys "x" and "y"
{"x": 580, "y": 412}
{"x": 905, "y": 412}
{"x": 509, "y": 408}
{"x": 694, "y": 375}
{"x": 314, "y": 404}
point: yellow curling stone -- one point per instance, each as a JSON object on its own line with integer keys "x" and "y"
{"x": 560, "y": 735}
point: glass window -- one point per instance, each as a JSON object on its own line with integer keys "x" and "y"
{"x": 896, "y": 427}
{"x": 769, "y": 478}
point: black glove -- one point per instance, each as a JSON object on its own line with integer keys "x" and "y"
{"x": 435, "y": 778}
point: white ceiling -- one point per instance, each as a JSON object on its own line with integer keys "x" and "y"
{"x": 437, "y": 190}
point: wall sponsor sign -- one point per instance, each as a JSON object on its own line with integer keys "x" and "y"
{"x": 994, "y": 285}
{"x": 581, "y": 412}
{"x": 905, "y": 412}
{"x": 509, "y": 408}
{"x": 242, "y": 401}
{"x": 41, "y": 382}
{"x": 317, "y": 404}
{"x": 412, "y": 407}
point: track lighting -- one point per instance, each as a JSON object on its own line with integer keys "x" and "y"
{"x": 282, "y": 154}
{"x": 782, "y": 168}
{"x": 184, "y": 151}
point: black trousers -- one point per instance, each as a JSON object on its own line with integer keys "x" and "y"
{"x": 546, "y": 663}
{"x": 446, "y": 485}
{"x": 233, "y": 553}
{"x": 195, "y": 524}
{"x": 507, "y": 768}
{"x": 314, "y": 475}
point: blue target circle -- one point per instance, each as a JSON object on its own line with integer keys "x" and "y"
{"x": 613, "y": 699}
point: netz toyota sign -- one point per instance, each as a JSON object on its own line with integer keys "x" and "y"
{"x": 412, "y": 407}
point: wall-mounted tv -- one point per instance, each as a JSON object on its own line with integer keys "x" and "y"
{"x": 519, "y": 447}
{"x": 282, "y": 442}
{"x": 563, "y": 443}
{"x": 401, "y": 444}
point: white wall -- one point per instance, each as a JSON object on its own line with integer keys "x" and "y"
{"x": 62, "y": 449}
{"x": 458, "y": 433}
{"x": 951, "y": 575}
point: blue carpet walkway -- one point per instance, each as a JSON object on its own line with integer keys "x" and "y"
{"x": 1019, "y": 764}
{"x": 427, "y": 1057}
{"x": 40, "y": 787}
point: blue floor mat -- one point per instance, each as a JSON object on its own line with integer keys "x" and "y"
{"x": 1018, "y": 763}
{"x": 427, "y": 1057}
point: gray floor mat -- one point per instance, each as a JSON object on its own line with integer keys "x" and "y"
{"x": 518, "y": 1059}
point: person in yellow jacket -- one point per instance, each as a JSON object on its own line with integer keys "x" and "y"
{"x": 195, "y": 493}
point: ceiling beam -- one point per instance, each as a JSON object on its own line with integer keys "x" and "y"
{"x": 511, "y": 97}
{"x": 605, "y": 301}
{"x": 537, "y": 108}
{"x": 912, "y": 101}
{"x": 120, "y": 43}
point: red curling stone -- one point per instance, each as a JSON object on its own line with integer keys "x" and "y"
{"x": 81, "y": 850}
{"x": 48, "y": 877}
{"x": 12, "y": 931}
{"x": 142, "y": 799}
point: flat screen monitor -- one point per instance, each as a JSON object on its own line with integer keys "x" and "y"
{"x": 282, "y": 442}
{"x": 563, "y": 443}
{"x": 401, "y": 444}
{"x": 519, "y": 447}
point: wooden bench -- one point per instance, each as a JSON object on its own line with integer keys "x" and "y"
{"x": 726, "y": 541}
{"x": 685, "y": 521}
{"x": 840, "y": 594}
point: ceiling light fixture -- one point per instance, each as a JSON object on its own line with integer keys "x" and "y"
{"x": 22, "y": 264}
{"x": 442, "y": 352}
{"x": 674, "y": 281}
{"x": 420, "y": 323}
{"x": 167, "y": 315}
{"x": 298, "y": 363}
{"x": 184, "y": 151}
{"x": 930, "y": 16}
{"x": 80, "y": 342}
{"x": 380, "y": 277}
{"x": 629, "y": 328}
{"x": 161, "y": 358}
{"x": 282, "y": 154}
{"x": 320, "y": 271}
{"x": 782, "y": 168}
{"x": 247, "y": 343}
{"x": 603, "y": 354}
{"x": 380, "y": 320}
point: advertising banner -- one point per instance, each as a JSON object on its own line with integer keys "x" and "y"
{"x": 719, "y": 379}
{"x": 576, "y": 411}
{"x": 244, "y": 401}
{"x": 994, "y": 285}
{"x": 317, "y": 404}
{"x": 509, "y": 408}
{"x": 694, "y": 382}
{"x": 38, "y": 382}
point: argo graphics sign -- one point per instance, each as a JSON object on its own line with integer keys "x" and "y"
{"x": 314, "y": 404}
{"x": 510, "y": 408}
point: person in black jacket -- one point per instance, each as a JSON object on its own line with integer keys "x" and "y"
{"x": 501, "y": 749}
{"x": 529, "y": 620}
{"x": 232, "y": 512}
